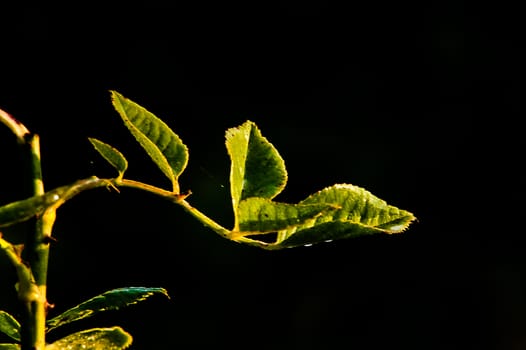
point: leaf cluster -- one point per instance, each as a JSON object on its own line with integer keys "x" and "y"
{"x": 257, "y": 176}
{"x": 114, "y": 338}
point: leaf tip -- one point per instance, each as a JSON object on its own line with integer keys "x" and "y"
{"x": 116, "y": 98}
{"x": 401, "y": 225}
{"x": 114, "y": 93}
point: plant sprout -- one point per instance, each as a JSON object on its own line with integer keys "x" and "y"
{"x": 257, "y": 176}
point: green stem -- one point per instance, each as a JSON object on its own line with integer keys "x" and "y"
{"x": 14, "y": 125}
{"x": 33, "y": 275}
{"x": 180, "y": 200}
{"x": 37, "y": 254}
{"x": 174, "y": 198}
{"x": 32, "y": 268}
{"x": 61, "y": 195}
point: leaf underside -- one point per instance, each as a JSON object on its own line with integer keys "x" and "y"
{"x": 114, "y": 338}
{"x": 110, "y": 300}
{"x": 9, "y": 326}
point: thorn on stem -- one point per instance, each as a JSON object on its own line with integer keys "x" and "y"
{"x": 49, "y": 306}
{"x": 111, "y": 186}
{"x": 182, "y": 196}
{"x": 18, "y": 248}
{"x": 49, "y": 239}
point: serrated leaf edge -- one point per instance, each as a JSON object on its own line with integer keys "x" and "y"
{"x": 129, "y": 338}
{"x": 151, "y": 149}
{"x": 82, "y": 313}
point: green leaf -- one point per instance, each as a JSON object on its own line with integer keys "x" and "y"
{"x": 111, "y": 154}
{"x": 359, "y": 213}
{"x": 114, "y": 338}
{"x": 9, "y": 347}
{"x": 326, "y": 232}
{"x": 110, "y": 300}
{"x": 163, "y": 146}
{"x": 261, "y": 215}
{"x": 9, "y": 326}
{"x": 257, "y": 169}
{"x": 359, "y": 205}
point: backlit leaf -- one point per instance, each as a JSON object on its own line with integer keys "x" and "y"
{"x": 111, "y": 154}
{"x": 260, "y": 215}
{"x": 359, "y": 213}
{"x": 114, "y": 338}
{"x": 163, "y": 146}
{"x": 257, "y": 169}
{"x": 110, "y": 300}
{"x": 9, "y": 326}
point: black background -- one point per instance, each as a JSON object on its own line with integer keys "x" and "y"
{"x": 412, "y": 101}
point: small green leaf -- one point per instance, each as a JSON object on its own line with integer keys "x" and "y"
{"x": 359, "y": 213}
{"x": 257, "y": 169}
{"x": 110, "y": 300}
{"x": 163, "y": 146}
{"x": 10, "y": 347}
{"x": 261, "y": 215}
{"x": 111, "y": 154}
{"x": 9, "y": 326}
{"x": 114, "y": 338}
